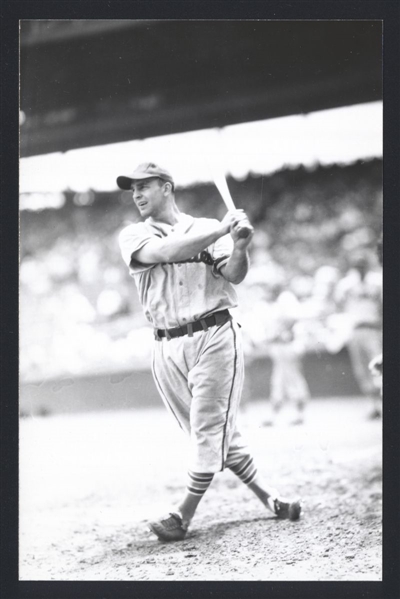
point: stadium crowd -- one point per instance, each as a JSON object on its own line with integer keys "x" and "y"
{"x": 314, "y": 283}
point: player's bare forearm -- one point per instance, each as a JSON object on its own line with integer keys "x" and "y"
{"x": 177, "y": 247}
{"x": 235, "y": 270}
{"x": 237, "y": 266}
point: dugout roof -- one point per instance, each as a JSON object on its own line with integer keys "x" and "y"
{"x": 87, "y": 83}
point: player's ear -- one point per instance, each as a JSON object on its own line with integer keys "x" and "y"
{"x": 167, "y": 188}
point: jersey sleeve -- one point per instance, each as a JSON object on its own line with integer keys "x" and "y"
{"x": 221, "y": 253}
{"x": 131, "y": 239}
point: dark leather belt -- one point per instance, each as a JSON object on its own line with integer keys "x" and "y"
{"x": 216, "y": 319}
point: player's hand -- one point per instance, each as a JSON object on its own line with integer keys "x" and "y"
{"x": 230, "y": 219}
{"x": 242, "y": 231}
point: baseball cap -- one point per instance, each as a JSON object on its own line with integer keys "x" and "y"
{"x": 146, "y": 170}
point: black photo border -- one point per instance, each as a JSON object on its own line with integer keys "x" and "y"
{"x": 388, "y": 12}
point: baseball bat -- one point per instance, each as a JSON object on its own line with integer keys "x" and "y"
{"x": 222, "y": 186}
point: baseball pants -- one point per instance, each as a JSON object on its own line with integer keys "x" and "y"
{"x": 200, "y": 380}
{"x": 365, "y": 344}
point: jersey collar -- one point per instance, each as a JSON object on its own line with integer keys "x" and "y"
{"x": 182, "y": 226}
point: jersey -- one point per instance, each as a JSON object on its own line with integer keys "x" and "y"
{"x": 175, "y": 293}
{"x": 360, "y": 298}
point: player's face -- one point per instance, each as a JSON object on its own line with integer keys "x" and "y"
{"x": 148, "y": 196}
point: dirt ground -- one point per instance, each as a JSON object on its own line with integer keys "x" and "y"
{"x": 90, "y": 482}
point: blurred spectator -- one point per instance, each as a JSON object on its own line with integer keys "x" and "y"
{"x": 34, "y": 277}
{"x": 376, "y": 369}
{"x": 323, "y": 291}
{"x": 376, "y": 364}
{"x": 359, "y": 295}
{"x": 301, "y": 286}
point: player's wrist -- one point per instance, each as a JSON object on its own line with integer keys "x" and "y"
{"x": 241, "y": 244}
{"x": 240, "y": 248}
{"x": 222, "y": 229}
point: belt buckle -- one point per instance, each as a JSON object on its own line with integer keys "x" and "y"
{"x": 156, "y": 335}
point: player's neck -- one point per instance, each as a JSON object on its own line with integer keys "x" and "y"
{"x": 170, "y": 215}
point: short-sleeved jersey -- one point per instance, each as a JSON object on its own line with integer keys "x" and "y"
{"x": 175, "y": 293}
{"x": 360, "y": 298}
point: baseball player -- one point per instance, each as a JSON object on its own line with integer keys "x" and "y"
{"x": 288, "y": 384}
{"x": 184, "y": 269}
{"x": 376, "y": 364}
{"x": 359, "y": 294}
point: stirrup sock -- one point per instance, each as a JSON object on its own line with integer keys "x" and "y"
{"x": 199, "y": 482}
{"x": 246, "y": 470}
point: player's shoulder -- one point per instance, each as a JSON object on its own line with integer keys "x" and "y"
{"x": 132, "y": 229}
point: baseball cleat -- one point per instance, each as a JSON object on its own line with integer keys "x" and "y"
{"x": 169, "y": 528}
{"x": 285, "y": 510}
